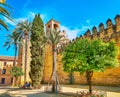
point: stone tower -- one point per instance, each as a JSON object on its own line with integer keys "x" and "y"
{"x": 52, "y": 24}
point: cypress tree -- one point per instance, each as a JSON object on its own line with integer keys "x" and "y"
{"x": 37, "y": 51}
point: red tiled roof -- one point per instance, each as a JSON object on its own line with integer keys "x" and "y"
{"x": 6, "y": 58}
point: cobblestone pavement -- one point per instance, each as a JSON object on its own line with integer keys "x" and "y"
{"x": 16, "y": 92}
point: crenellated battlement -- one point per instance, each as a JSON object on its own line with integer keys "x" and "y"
{"x": 111, "y": 32}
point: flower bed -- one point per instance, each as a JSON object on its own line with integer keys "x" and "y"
{"x": 94, "y": 94}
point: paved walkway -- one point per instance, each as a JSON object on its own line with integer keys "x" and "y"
{"x": 15, "y": 92}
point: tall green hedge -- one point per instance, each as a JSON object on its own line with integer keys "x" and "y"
{"x": 37, "y": 51}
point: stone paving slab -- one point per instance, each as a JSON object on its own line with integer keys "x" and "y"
{"x": 40, "y": 92}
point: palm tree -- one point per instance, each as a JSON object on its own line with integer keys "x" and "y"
{"x": 24, "y": 29}
{"x": 12, "y": 39}
{"x": 4, "y": 13}
{"x": 53, "y": 38}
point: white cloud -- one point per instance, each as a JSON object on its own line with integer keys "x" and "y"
{"x": 9, "y": 21}
{"x": 71, "y": 33}
{"x": 20, "y": 19}
{"x": 29, "y": 16}
{"x": 88, "y": 21}
{"x": 85, "y": 27}
{"x": 43, "y": 16}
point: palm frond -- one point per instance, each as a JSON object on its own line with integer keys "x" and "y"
{"x": 24, "y": 26}
{"x": 54, "y": 38}
{"x": 3, "y": 24}
{"x": 5, "y": 5}
{"x": 4, "y": 11}
{"x": 8, "y": 44}
{"x": 12, "y": 39}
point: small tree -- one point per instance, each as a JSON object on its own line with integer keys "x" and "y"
{"x": 86, "y": 56}
{"x": 37, "y": 51}
{"x": 16, "y": 72}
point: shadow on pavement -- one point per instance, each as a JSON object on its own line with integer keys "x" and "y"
{"x": 45, "y": 94}
{"x": 5, "y": 95}
{"x": 102, "y": 88}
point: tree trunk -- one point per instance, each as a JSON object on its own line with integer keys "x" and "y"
{"x": 15, "y": 57}
{"x": 26, "y": 50}
{"x": 54, "y": 69}
{"x": 54, "y": 77}
{"x": 14, "y": 64}
{"x": 89, "y": 81}
{"x": 16, "y": 81}
{"x": 20, "y": 59}
{"x": 13, "y": 82}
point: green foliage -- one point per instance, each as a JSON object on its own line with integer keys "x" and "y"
{"x": 84, "y": 55}
{"x": 4, "y": 12}
{"x": 53, "y": 37}
{"x": 16, "y": 71}
{"x": 89, "y": 56}
{"x": 37, "y": 51}
{"x": 23, "y": 28}
{"x": 12, "y": 39}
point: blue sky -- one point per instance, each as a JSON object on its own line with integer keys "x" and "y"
{"x": 75, "y": 16}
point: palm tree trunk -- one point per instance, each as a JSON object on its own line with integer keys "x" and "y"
{"x": 20, "y": 59}
{"x": 15, "y": 57}
{"x": 89, "y": 76}
{"x": 26, "y": 50}
{"x": 13, "y": 81}
{"x": 54, "y": 83}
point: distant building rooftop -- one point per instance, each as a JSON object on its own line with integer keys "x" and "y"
{"x": 52, "y": 20}
{"x": 9, "y": 58}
